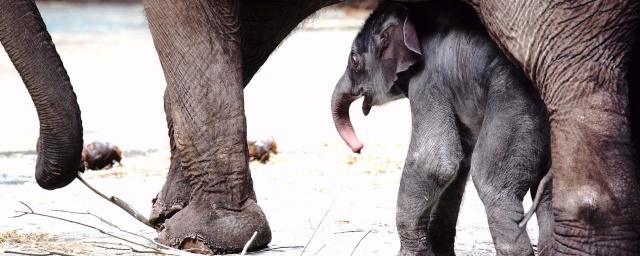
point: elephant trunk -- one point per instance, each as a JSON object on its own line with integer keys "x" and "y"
{"x": 340, "y": 102}
{"x": 28, "y": 44}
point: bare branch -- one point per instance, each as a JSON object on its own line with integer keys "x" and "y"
{"x": 148, "y": 249}
{"x": 318, "y": 251}
{"x": 82, "y": 224}
{"x": 127, "y": 248}
{"x": 246, "y": 246}
{"x": 112, "y": 248}
{"x": 88, "y": 213}
{"x": 38, "y": 253}
{"x": 318, "y": 227}
{"x": 118, "y": 228}
{"x": 119, "y": 202}
{"x": 22, "y": 213}
{"x": 359, "y": 230}
{"x": 359, "y": 241}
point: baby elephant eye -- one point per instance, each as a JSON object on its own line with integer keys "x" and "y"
{"x": 355, "y": 63}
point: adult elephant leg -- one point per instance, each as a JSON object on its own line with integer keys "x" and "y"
{"x": 176, "y": 191}
{"x": 633, "y": 76}
{"x": 576, "y": 52}
{"x": 198, "y": 43}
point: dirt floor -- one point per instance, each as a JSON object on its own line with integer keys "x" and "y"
{"x": 116, "y": 74}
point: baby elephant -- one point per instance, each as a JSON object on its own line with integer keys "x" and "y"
{"x": 473, "y": 112}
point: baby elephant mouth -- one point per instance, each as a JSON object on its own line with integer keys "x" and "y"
{"x": 366, "y": 105}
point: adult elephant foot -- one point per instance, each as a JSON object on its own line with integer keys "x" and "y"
{"x": 176, "y": 191}
{"x": 173, "y": 197}
{"x": 198, "y": 43}
{"x": 209, "y": 228}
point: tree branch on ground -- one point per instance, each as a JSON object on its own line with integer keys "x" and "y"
{"x": 318, "y": 227}
{"x": 18, "y": 252}
{"x": 359, "y": 241}
{"x": 159, "y": 249}
{"x": 117, "y": 227}
{"x": 119, "y": 202}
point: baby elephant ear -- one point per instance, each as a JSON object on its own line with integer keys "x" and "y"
{"x": 412, "y": 53}
{"x": 400, "y": 54}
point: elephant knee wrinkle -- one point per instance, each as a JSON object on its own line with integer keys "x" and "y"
{"x": 588, "y": 203}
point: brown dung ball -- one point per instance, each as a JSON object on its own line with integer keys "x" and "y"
{"x": 260, "y": 149}
{"x": 100, "y": 155}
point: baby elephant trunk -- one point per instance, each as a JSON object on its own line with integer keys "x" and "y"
{"x": 340, "y": 102}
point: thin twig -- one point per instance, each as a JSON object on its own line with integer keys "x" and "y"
{"x": 22, "y": 213}
{"x": 118, "y": 228}
{"x": 359, "y": 241}
{"x": 318, "y": 227}
{"x": 318, "y": 251}
{"x": 88, "y": 213}
{"x": 119, "y": 202}
{"x": 113, "y": 248}
{"x": 349, "y": 231}
{"x": 38, "y": 253}
{"x": 169, "y": 251}
{"x": 286, "y": 247}
{"x": 128, "y": 249}
{"x": 246, "y": 246}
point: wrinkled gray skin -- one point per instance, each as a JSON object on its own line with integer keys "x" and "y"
{"x": 472, "y": 112}
{"x": 576, "y": 53}
{"x": 28, "y": 44}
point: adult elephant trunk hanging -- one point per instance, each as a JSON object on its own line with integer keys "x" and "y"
{"x": 28, "y": 44}
{"x": 340, "y": 102}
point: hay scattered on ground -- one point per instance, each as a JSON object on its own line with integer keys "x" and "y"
{"x": 40, "y": 243}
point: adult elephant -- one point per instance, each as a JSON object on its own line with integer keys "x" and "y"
{"x": 575, "y": 52}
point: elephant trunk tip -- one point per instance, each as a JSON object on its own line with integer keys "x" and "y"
{"x": 341, "y": 100}
{"x": 343, "y": 124}
{"x": 357, "y": 147}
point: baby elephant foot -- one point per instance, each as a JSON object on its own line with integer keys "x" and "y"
{"x": 426, "y": 252}
{"x": 405, "y": 252}
{"x": 205, "y": 228}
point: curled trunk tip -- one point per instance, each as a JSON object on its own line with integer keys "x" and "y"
{"x": 340, "y": 103}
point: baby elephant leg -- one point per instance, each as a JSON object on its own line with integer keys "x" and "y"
{"x": 502, "y": 197}
{"x": 503, "y": 167}
{"x": 444, "y": 217}
{"x": 434, "y": 164}
{"x": 427, "y": 209}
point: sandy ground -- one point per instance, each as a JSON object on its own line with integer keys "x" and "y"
{"x": 117, "y": 77}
